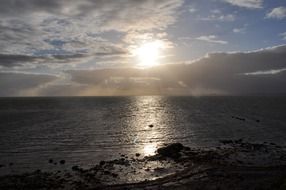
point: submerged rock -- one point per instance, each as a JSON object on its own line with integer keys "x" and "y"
{"x": 226, "y": 141}
{"x": 101, "y": 163}
{"x": 171, "y": 151}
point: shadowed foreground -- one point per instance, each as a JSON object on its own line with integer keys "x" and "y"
{"x": 233, "y": 165}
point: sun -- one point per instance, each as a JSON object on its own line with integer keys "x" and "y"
{"x": 149, "y": 53}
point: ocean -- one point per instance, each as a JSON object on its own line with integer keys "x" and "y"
{"x": 85, "y": 130}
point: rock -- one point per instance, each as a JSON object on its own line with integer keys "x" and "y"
{"x": 238, "y": 141}
{"x": 62, "y": 162}
{"x": 51, "y": 161}
{"x": 137, "y": 154}
{"x": 114, "y": 175}
{"x": 151, "y": 126}
{"x": 238, "y": 118}
{"x": 1, "y": 165}
{"x": 75, "y": 168}
{"x": 101, "y": 163}
{"x": 11, "y": 164}
{"x": 121, "y": 161}
{"x": 171, "y": 151}
{"x": 257, "y": 120}
{"x": 226, "y": 141}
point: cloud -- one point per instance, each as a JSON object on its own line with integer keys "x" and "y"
{"x": 13, "y": 60}
{"x": 217, "y": 15}
{"x": 269, "y": 72}
{"x": 283, "y": 35}
{"x": 211, "y": 39}
{"x": 70, "y": 27}
{"x": 192, "y": 10}
{"x": 250, "y": 4}
{"x": 261, "y": 71}
{"x": 240, "y": 30}
{"x": 255, "y": 72}
{"x": 18, "y": 84}
{"x": 277, "y": 13}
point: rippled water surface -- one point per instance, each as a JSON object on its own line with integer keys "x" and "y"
{"x": 84, "y": 131}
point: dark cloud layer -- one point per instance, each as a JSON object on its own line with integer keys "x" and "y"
{"x": 7, "y": 60}
{"x": 219, "y": 73}
{"x": 17, "y": 84}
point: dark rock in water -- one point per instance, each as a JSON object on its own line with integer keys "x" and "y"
{"x": 137, "y": 154}
{"x": 151, "y": 125}
{"x": 238, "y": 118}
{"x": 187, "y": 148}
{"x": 226, "y": 141}
{"x": 38, "y": 171}
{"x": 11, "y": 164}
{"x": 121, "y": 161}
{"x": 62, "y": 162}
{"x": 257, "y": 120}
{"x": 51, "y": 160}
{"x": 75, "y": 168}
{"x": 238, "y": 141}
{"x": 171, "y": 151}
{"x": 1, "y": 165}
{"x": 114, "y": 175}
{"x": 101, "y": 163}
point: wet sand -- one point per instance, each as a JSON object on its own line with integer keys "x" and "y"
{"x": 233, "y": 165}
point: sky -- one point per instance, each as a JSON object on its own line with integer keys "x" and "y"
{"x": 142, "y": 47}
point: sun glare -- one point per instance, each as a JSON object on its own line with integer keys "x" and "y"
{"x": 149, "y": 53}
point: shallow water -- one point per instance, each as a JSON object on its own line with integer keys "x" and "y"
{"x": 84, "y": 131}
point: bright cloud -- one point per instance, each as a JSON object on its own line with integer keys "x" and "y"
{"x": 212, "y": 39}
{"x": 277, "y": 13}
{"x": 251, "y": 4}
{"x": 283, "y": 35}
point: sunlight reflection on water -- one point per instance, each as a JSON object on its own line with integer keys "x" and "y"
{"x": 147, "y": 124}
{"x": 150, "y": 149}
{"x": 85, "y": 130}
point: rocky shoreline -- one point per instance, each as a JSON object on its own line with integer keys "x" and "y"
{"x": 233, "y": 165}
